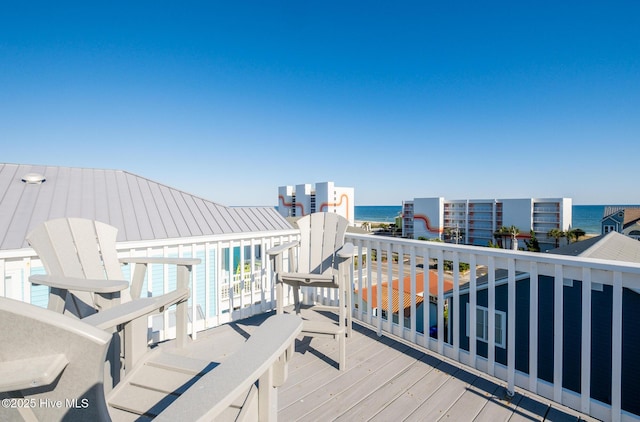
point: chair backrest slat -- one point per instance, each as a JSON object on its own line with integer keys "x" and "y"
{"x": 107, "y": 236}
{"x": 87, "y": 249}
{"x": 79, "y": 248}
{"x": 321, "y": 234}
{"x": 76, "y": 247}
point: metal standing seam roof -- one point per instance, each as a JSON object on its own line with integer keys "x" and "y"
{"x": 140, "y": 208}
{"x": 613, "y": 246}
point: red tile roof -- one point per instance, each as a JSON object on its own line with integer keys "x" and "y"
{"x": 406, "y": 287}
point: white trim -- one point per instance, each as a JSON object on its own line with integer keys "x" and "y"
{"x": 482, "y": 332}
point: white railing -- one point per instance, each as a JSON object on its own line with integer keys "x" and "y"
{"x": 542, "y": 270}
{"x": 238, "y": 257}
{"x": 217, "y": 300}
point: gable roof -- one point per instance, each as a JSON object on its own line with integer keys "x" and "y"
{"x": 140, "y": 208}
{"x": 613, "y": 246}
{"x": 630, "y": 214}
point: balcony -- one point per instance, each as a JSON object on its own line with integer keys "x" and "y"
{"x": 395, "y": 371}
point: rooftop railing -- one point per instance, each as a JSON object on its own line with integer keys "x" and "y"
{"x": 544, "y": 323}
{"x": 565, "y": 328}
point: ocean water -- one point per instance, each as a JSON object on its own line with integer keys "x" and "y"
{"x": 585, "y": 217}
{"x": 377, "y": 213}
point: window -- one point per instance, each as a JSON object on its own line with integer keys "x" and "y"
{"x": 482, "y": 326}
{"x": 608, "y": 229}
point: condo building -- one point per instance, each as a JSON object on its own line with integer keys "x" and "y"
{"x": 474, "y": 221}
{"x": 300, "y": 200}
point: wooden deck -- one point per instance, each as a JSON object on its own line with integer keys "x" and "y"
{"x": 385, "y": 380}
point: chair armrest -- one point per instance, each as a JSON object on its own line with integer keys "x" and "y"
{"x": 31, "y": 372}
{"x": 347, "y": 250}
{"x": 135, "y": 309}
{"x": 80, "y": 284}
{"x": 183, "y": 265}
{"x": 218, "y": 389}
{"x": 160, "y": 260}
{"x": 277, "y": 250}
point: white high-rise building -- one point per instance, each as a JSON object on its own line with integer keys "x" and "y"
{"x": 299, "y": 200}
{"x": 474, "y": 221}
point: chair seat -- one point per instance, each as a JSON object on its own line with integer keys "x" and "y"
{"x": 316, "y": 280}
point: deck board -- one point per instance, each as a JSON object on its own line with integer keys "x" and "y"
{"x": 472, "y": 401}
{"x": 385, "y": 380}
{"x": 444, "y": 398}
{"x": 403, "y": 406}
{"x": 376, "y": 400}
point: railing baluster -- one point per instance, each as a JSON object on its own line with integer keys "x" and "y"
{"x": 440, "y": 301}
{"x": 412, "y": 317}
{"x": 472, "y": 314}
{"x": 219, "y": 287}
{"x": 194, "y": 295}
{"x": 558, "y": 287}
{"x": 585, "y": 350}
{"x": 455, "y": 318}
{"x": 511, "y": 324}
{"x": 207, "y": 284}
{"x": 165, "y": 289}
{"x": 426, "y": 314}
{"x": 616, "y": 348}
{"x": 401, "y": 290}
{"x": 491, "y": 323}
{"x": 362, "y": 284}
{"x": 389, "y": 287}
{"x": 379, "y": 285}
{"x": 533, "y": 328}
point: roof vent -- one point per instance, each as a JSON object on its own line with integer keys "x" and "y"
{"x": 33, "y": 178}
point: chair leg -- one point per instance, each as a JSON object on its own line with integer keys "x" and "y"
{"x": 342, "y": 363}
{"x": 296, "y": 298}
{"x": 279, "y": 297}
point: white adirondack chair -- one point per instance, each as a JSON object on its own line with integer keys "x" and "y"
{"x": 321, "y": 259}
{"x": 84, "y": 276}
{"x": 51, "y": 368}
{"x": 80, "y": 258}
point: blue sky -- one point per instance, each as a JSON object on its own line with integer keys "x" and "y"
{"x": 229, "y": 100}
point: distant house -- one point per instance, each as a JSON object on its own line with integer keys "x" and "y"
{"x": 624, "y": 220}
{"x": 612, "y": 246}
{"x": 396, "y": 306}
